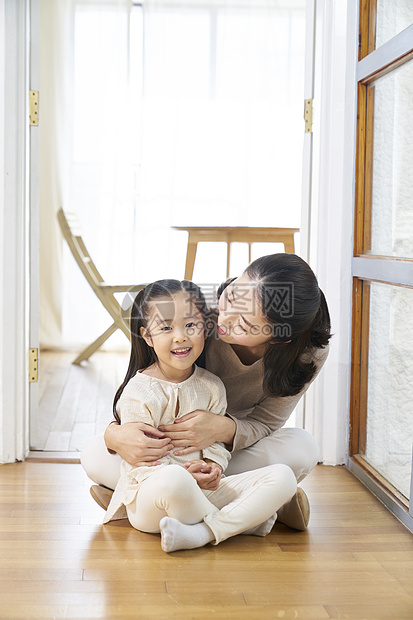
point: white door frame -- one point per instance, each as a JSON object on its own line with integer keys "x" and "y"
{"x": 14, "y": 231}
{"x": 307, "y": 165}
{"x": 329, "y": 232}
{"x": 34, "y": 225}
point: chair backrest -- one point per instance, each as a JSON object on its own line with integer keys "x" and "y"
{"x": 70, "y": 227}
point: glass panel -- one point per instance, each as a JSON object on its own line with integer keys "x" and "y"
{"x": 391, "y": 18}
{"x": 389, "y": 402}
{"x": 392, "y": 187}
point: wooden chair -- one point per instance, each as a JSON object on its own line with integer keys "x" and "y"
{"x": 69, "y": 225}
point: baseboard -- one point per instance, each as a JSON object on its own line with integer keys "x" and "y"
{"x": 38, "y": 456}
{"x": 399, "y": 511}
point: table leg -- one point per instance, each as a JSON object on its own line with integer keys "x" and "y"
{"x": 190, "y": 259}
{"x": 289, "y": 245}
{"x": 228, "y": 257}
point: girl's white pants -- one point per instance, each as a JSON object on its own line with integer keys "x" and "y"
{"x": 241, "y": 502}
{"x": 294, "y": 447}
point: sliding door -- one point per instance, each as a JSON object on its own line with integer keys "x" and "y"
{"x": 382, "y": 363}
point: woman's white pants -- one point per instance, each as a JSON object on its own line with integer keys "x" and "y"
{"x": 294, "y": 447}
{"x": 241, "y": 502}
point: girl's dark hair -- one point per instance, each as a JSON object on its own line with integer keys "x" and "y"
{"x": 290, "y": 299}
{"x": 142, "y": 355}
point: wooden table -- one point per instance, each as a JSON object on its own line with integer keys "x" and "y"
{"x": 233, "y": 234}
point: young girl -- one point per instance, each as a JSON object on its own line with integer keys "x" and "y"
{"x": 184, "y": 496}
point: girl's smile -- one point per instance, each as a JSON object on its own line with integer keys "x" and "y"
{"x": 181, "y": 352}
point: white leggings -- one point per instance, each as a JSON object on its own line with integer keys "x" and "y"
{"x": 241, "y": 501}
{"x": 289, "y": 446}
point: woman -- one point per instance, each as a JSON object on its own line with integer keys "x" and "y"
{"x": 270, "y": 342}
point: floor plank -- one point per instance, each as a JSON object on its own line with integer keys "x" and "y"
{"x": 57, "y": 561}
{"x": 75, "y": 402}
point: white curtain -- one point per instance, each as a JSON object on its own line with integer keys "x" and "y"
{"x": 184, "y": 113}
{"x": 86, "y": 163}
{"x": 55, "y": 38}
{"x": 222, "y": 121}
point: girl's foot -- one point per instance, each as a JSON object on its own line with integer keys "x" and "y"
{"x": 176, "y": 535}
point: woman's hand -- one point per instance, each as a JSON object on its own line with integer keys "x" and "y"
{"x": 137, "y": 443}
{"x": 207, "y": 473}
{"x": 198, "y": 430}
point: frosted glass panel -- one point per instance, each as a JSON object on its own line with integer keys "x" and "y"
{"x": 392, "y": 191}
{"x": 391, "y": 18}
{"x": 390, "y": 402}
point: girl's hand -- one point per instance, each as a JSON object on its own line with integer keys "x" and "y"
{"x": 198, "y": 430}
{"x": 207, "y": 473}
{"x": 137, "y": 443}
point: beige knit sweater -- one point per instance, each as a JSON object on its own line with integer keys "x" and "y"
{"x": 156, "y": 402}
{"x": 255, "y": 414}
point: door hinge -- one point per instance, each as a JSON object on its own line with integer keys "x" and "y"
{"x": 34, "y": 107}
{"x": 308, "y": 115}
{"x": 33, "y": 365}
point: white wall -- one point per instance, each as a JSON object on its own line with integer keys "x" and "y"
{"x": 13, "y": 236}
{"x": 331, "y": 221}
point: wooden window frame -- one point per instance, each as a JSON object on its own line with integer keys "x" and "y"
{"x": 373, "y": 63}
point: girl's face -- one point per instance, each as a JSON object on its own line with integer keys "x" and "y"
{"x": 175, "y": 329}
{"x": 240, "y": 319}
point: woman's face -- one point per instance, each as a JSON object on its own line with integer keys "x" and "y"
{"x": 240, "y": 319}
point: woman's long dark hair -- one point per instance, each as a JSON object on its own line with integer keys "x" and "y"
{"x": 292, "y": 302}
{"x": 142, "y": 355}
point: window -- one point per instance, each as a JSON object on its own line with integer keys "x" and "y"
{"x": 185, "y": 114}
{"x": 382, "y": 356}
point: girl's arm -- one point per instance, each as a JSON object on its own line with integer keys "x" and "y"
{"x": 207, "y": 473}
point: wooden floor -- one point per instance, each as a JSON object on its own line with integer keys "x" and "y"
{"x": 75, "y": 402}
{"x": 57, "y": 561}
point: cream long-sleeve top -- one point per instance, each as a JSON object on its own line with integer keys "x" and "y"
{"x": 255, "y": 413}
{"x": 156, "y": 402}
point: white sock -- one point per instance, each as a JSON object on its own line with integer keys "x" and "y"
{"x": 176, "y": 535}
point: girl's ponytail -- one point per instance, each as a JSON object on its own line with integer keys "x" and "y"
{"x": 142, "y": 355}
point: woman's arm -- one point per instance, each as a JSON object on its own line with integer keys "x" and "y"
{"x": 272, "y": 412}
{"x": 137, "y": 443}
{"x": 198, "y": 430}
